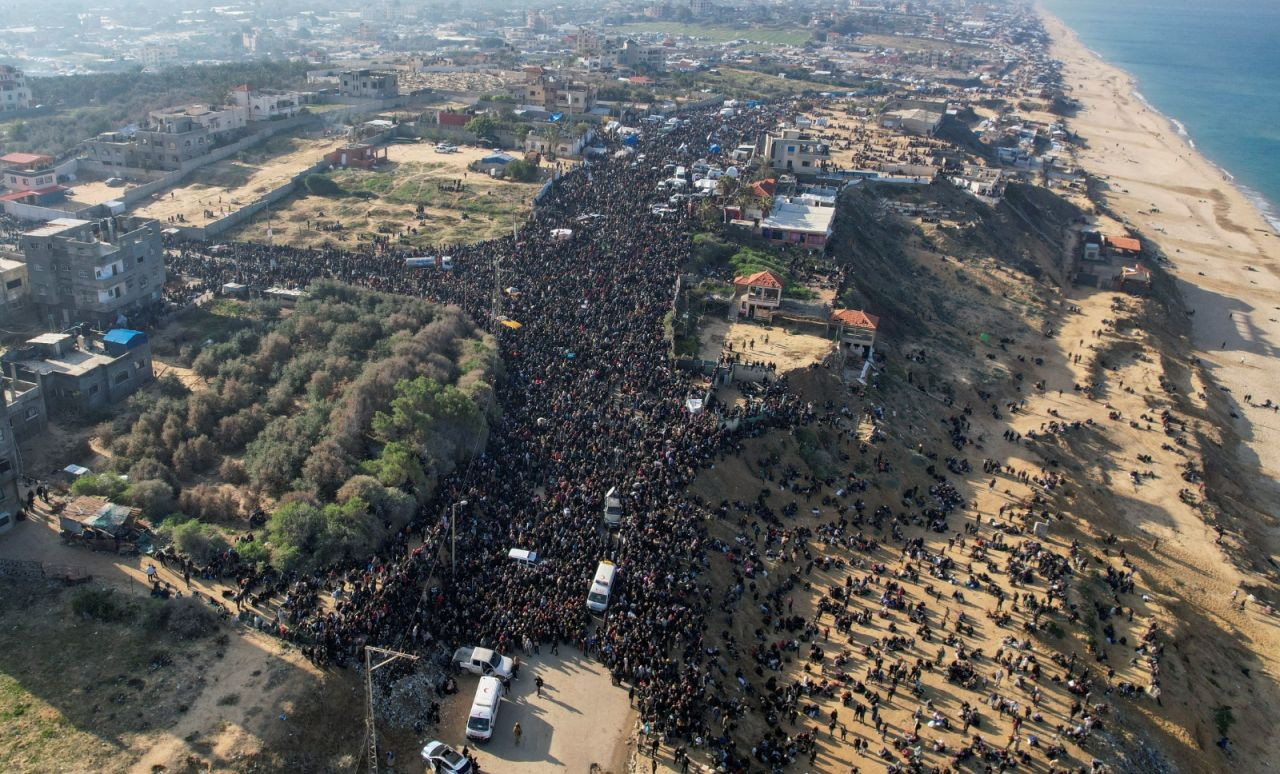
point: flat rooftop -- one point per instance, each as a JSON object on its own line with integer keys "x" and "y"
{"x": 74, "y": 363}
{"x": 57, "y": 226}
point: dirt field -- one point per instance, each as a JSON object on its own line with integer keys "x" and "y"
{"x": 770, "y": 344}
{"x": 581, "y": 720}
{"x": 385, "y": 200}
{"x": 232, "y": 183}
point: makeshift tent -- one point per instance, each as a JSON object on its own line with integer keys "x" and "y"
{"x": 512, "y": 324}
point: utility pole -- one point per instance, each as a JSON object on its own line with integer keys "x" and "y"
{"x": 453, "y": 537}
{"x": 369, "y": 667}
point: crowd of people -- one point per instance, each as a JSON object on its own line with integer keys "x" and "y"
{"x": 592, "y": 401}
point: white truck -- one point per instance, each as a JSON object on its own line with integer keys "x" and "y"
{"x": 483, "y": 661}
{"x": 612, "y": 507}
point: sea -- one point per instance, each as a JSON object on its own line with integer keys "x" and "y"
{"x": 1211, "y": 66}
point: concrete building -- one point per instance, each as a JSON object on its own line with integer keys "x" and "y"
{"x": 171, "y": 140}
{"x": 75, "y": 372}
{"x": 93, "y": 271}
{"x": 756, "y": 296}
{"x": 156, "y": 55}
{"x": 638, "y": 56}
{"x": 269, "y": 104}
{"x": 14, "y": 93}
{"x": 216, "y": 120}
{"x": 15, "y": 292}
{"x": 28, "y": 415}
{"x": 855, "y": 329}
{"x": 796, "y": 151}
{"x": 798, "y": 222}
{"x": 368, "y": 84}
{"x": 10, "y": 470}
{"x": 913, "y": 116}
{"x": 551, "y": 93}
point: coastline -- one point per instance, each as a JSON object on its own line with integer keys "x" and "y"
{"x": 1223, "y": 248}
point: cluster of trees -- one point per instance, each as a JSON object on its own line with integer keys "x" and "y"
{"x": 85, "y": 105}
{"x": 346, "y": 412}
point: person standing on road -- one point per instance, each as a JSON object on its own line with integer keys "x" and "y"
{"x": 537, "y": 682}
{"x": 517, "y": 732}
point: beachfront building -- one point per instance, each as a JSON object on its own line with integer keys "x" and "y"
{"x": 756, "y": 296}
{"x": 798, "y": 221}
{"x": 855, "y": 329}
{"x": 93, "y": 271}
{"x": 796, "y": 151}
{"x": 14, "y": 92}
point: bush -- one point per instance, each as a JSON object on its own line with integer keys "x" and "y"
{"x": 100, "y": 605}
{"x": 186, "y": 618}
{"x": 255, "y": 553}
{"x": 153, "y": 496}
{"x": 201, "y": 542}
{"x": 107, "y": 485}
{"x": 523, "y": 171}
{"x": 210, "y": 502}
{"x": 320, "y": 185}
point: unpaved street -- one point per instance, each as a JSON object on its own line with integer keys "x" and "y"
{"x": 581, "y": 718}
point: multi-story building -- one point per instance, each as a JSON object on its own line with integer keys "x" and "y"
{"x": 155, "y": 55}
{"x": 641, "y": 57}
{"x": 368, "y": 84}
{"x": 268, "y": 104}
{"x": 14, "y": 94}
{"x": 796, "y": 151}
{"x": 216, "y": 120}
{"x": 552, "y": 93}
{"x": 10, "y": 469}
{"x": 15, "y": 293}
{"x": 79, "y": 370}
{"x": 167, "y": 144}
{"x": 93, "y": 271}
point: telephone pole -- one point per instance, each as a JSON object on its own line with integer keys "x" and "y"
{"x": 369, "y": 667}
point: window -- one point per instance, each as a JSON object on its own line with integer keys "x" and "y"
{"x": 93, "y": 390}
{"x": 32, "y": 413}
{"x": 85, "y": 275}
{"x": 5, "y": 465}
{"x": 13, "y": 284}
{"x": 122, "y": 377}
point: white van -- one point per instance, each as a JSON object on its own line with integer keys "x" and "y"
{"x": 484, "y": 710}
{"x": 612, "y": 507}
{"x": 601, "y": 586}
{"x": 523, "y": 556}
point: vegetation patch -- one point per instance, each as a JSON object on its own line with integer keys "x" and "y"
{"x": 346, "y": 412}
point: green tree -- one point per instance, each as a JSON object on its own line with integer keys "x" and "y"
{"x": 483, "y": 125}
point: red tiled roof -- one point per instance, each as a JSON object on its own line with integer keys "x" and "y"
{"x": 25, "y": 158}
{"x": 763, "y": 279}
{"x": 448, "y": 118}
{"x": 855, "y": 318}
{"x": 1125, "y": 243}
{"x": 643, "y": 80}
{"x": 765, "y": 187}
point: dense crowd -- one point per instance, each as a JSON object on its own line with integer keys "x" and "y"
{"x": 590, "y": 401}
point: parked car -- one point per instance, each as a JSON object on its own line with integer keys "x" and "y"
{"x": 443, "y": 759}
{"x": 483, "y": 661}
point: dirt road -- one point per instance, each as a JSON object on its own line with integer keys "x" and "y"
{"x": 581, "y": 718}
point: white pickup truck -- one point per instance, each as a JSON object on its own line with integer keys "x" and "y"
{"x": 483, "y": 661}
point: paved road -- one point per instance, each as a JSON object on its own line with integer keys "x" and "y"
{"x": 581, "y": 718}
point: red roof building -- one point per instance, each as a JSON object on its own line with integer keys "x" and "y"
{"x": 451, "y": 119}
{"x": 756, "y": 296}
{"x": 856, "y": 328}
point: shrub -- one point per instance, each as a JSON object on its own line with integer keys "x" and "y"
{"x": 186, "y": 618}
{"x": 320, "y": 185}
{"x": 255, "y": 553}
{"x": 210, "y": 502}
{"x": 523, "y": 171}
{"x": 201, "y": 542}
{"x": 153, "y": 496}
{"x": 100, "y": 605}
{"x": 107, "y": 485}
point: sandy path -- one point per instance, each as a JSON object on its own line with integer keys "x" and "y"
{"x": 581, "y": 719}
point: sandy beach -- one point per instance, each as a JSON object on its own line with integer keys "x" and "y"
{"x": 1222, "y": 249}
{"x": 1222, "y": 255}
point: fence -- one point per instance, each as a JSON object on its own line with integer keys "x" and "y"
{"x": 31, "y": 570}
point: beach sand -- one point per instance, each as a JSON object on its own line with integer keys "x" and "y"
{"x": 1223, "y": 251}
{"x": 1223, "y": 258}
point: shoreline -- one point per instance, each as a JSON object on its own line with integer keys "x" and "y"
{"x": 1223, "y": 249}
{"x": 1267, "y": 209}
